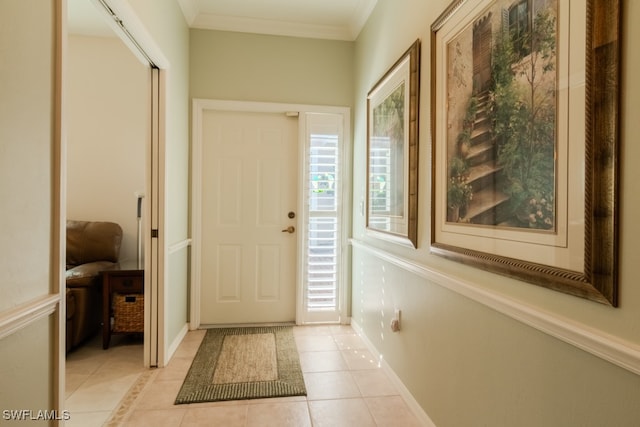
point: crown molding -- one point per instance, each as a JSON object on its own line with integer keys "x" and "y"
{"x": 210, "y": 21}
{"x": 263, "y": 26}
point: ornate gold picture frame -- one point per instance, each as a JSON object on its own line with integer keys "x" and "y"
{"x": 392, "y": 152}
{"x": 525, "y": 100}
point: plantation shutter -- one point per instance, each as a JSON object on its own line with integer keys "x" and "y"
{"x": 321, "y": 272}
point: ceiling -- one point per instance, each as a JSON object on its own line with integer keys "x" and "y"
{"x": 323, "y": 19}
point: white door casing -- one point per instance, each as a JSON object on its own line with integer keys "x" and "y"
{"x": 200, "y": 108}
{"x": 123, "y": 20}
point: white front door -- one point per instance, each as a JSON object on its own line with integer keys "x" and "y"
{"x": 248, "y": 191}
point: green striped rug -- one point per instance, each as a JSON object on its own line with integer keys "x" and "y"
{"x": 244, "y": 363}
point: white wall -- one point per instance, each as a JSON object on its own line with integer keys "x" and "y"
{"x": 29, "y": 280}
{"x": 464, "y": 362}
{"x": 26, "y": 127}
{"x": 107, "y": 134}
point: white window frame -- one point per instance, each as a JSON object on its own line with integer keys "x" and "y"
{"x": 341, "y": 314}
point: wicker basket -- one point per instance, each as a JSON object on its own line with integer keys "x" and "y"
{"x": 128, "y": 312}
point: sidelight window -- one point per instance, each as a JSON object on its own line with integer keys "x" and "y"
{"x": 323, "y": 205}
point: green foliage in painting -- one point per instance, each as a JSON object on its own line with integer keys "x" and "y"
{"x": 525, "y": 123}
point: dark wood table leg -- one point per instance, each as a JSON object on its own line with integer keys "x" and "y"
{"x": 106, "y": 311}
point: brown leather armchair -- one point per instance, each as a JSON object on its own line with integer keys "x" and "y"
{"x": 92, "y": 247}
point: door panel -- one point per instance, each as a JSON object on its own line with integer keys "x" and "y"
{"x": 249, "y": 184}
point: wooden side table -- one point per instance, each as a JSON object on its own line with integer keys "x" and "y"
{"x": 127, "y": 281}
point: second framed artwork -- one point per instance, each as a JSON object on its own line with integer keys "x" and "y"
{"x": 525, "y": 141}
{"x": 392, "y": 151}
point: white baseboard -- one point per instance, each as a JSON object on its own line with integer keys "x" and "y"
{"x": 176, "y": 342}
{"x": 406, "y": 395}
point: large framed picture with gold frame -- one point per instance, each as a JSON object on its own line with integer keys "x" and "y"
{"x": 524, "y": 116}
{"x": 392, "y": 151}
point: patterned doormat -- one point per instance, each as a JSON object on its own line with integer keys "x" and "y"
{"x": 244, "y": 363}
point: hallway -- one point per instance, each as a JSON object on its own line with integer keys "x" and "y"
{"x": 345, "y": 387}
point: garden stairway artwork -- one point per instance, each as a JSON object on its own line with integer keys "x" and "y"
{"x": 484, "y": 174}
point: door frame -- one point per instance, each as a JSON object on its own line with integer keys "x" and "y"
{"x": 199, "y": 106}
{"x": 126, "y": 25}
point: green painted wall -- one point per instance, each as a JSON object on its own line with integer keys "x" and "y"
{"x": 465, "y": 363}
{"x": 250, "y": 67}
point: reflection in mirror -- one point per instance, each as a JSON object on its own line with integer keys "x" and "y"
{"x": 392, "y": 150}
{"x": 387, "y": 160}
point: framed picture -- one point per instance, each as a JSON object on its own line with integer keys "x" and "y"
{"x": 525, "y": 98}
{"x": 392, "y": 151}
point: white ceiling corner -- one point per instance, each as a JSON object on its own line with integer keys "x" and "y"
{"x": 361, "y": 15}
{"x": 189, "y": 10}
{"x": 324, "y": 19}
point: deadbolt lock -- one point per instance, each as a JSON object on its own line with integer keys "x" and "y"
{"x": 291, "y": 214}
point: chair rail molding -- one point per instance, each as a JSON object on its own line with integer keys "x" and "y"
{"x": 178, "y": 246}
{"x": 613, "y": 349}
{"x": 19, "y": 317}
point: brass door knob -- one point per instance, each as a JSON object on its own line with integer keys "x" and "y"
{"x": 290, "y": 229}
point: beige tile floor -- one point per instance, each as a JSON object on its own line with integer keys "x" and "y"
{"x": 345, "y": 387}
